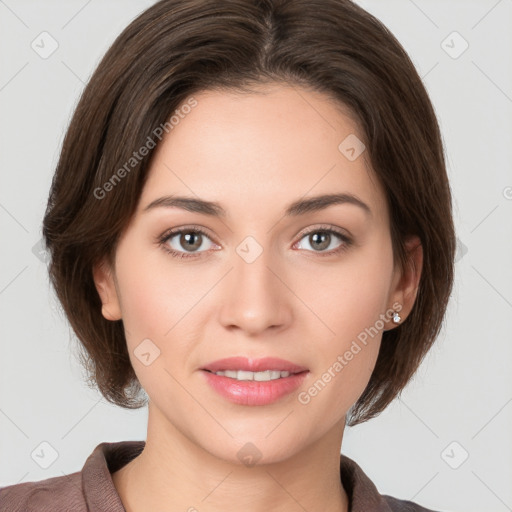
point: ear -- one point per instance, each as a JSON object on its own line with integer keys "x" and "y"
{"x": 407, "y": 279}
{"x": 105, "y": 285}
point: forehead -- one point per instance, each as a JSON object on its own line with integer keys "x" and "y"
{"x": 263, "y": 148}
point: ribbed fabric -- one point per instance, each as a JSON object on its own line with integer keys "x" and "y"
{"x": 92, "y": 488}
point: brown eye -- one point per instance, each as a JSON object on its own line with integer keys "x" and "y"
{"x": 190, "y": 240}
{"x": 321, "y": 239}
{"x": 183, "y": 243}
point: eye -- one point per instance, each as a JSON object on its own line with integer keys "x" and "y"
{"x": 321, "y": 238}
{"x": 192, "y": 241}
{"x": 184, "y": 242}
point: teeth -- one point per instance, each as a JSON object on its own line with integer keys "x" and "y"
{"x": 259, "y": 376}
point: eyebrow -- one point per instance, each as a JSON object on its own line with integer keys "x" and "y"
{"x": 295, "y": 209}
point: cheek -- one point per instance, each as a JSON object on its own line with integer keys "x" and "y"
{"x": 145, "y": 310}
{"x": 351, "y": 301}
{"x": 154, "y": 298}
{"x": 350, "y": 296}
{"x": 158, "y": 304}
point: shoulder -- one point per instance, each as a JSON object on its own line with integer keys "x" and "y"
{"x": 364, "y": 496}
{"x": 45, "y": 495}
{"x": 397, "y": 505}
{"x": 91, "y": 488}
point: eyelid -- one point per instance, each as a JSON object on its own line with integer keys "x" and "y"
{"x": 188, "y": 227}
{"x": 343, "y": 233}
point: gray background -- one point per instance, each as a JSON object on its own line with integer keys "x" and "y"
{"x": 446, "y": 443}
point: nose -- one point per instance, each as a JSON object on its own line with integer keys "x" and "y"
{"x": 255, "y": 296}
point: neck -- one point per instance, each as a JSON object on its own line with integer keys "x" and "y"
{"x": 175, "y": 473}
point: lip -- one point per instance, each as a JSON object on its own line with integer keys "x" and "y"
{"x": 252, "y": 392}
{"x": 253, "y": 365}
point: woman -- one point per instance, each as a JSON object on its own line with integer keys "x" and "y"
{"x": 250, "y": 221}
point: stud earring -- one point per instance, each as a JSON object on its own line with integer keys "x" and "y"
{"x": 396, "y": 317}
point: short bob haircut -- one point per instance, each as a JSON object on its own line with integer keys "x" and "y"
{"x": 178, "y": 47}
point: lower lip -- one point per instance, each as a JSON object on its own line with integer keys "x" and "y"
{"x": 251, "y": 392}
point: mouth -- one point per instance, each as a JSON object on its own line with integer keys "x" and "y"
{"x": 245, "y": 381}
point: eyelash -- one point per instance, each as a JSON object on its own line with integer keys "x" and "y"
{"x": 163, "y": 239}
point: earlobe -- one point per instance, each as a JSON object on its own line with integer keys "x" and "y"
{"x": 105, "y": 285}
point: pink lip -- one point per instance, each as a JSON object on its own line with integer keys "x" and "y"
{"x": 254, "y": 392}
{"x": 253, "y": 365}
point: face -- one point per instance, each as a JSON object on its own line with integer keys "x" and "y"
{"x": 312, "y": 285}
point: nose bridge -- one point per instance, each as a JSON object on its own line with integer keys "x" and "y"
{"x": 256, "y": 298}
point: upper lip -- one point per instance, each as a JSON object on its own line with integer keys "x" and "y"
{"x": 253, "y": 365}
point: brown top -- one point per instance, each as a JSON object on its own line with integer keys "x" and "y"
{"x": 92, "y": 489}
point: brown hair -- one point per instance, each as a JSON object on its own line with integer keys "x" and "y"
{"x": 178, "y": 47}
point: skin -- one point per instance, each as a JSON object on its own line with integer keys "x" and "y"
{"x": 254, "y": 153}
